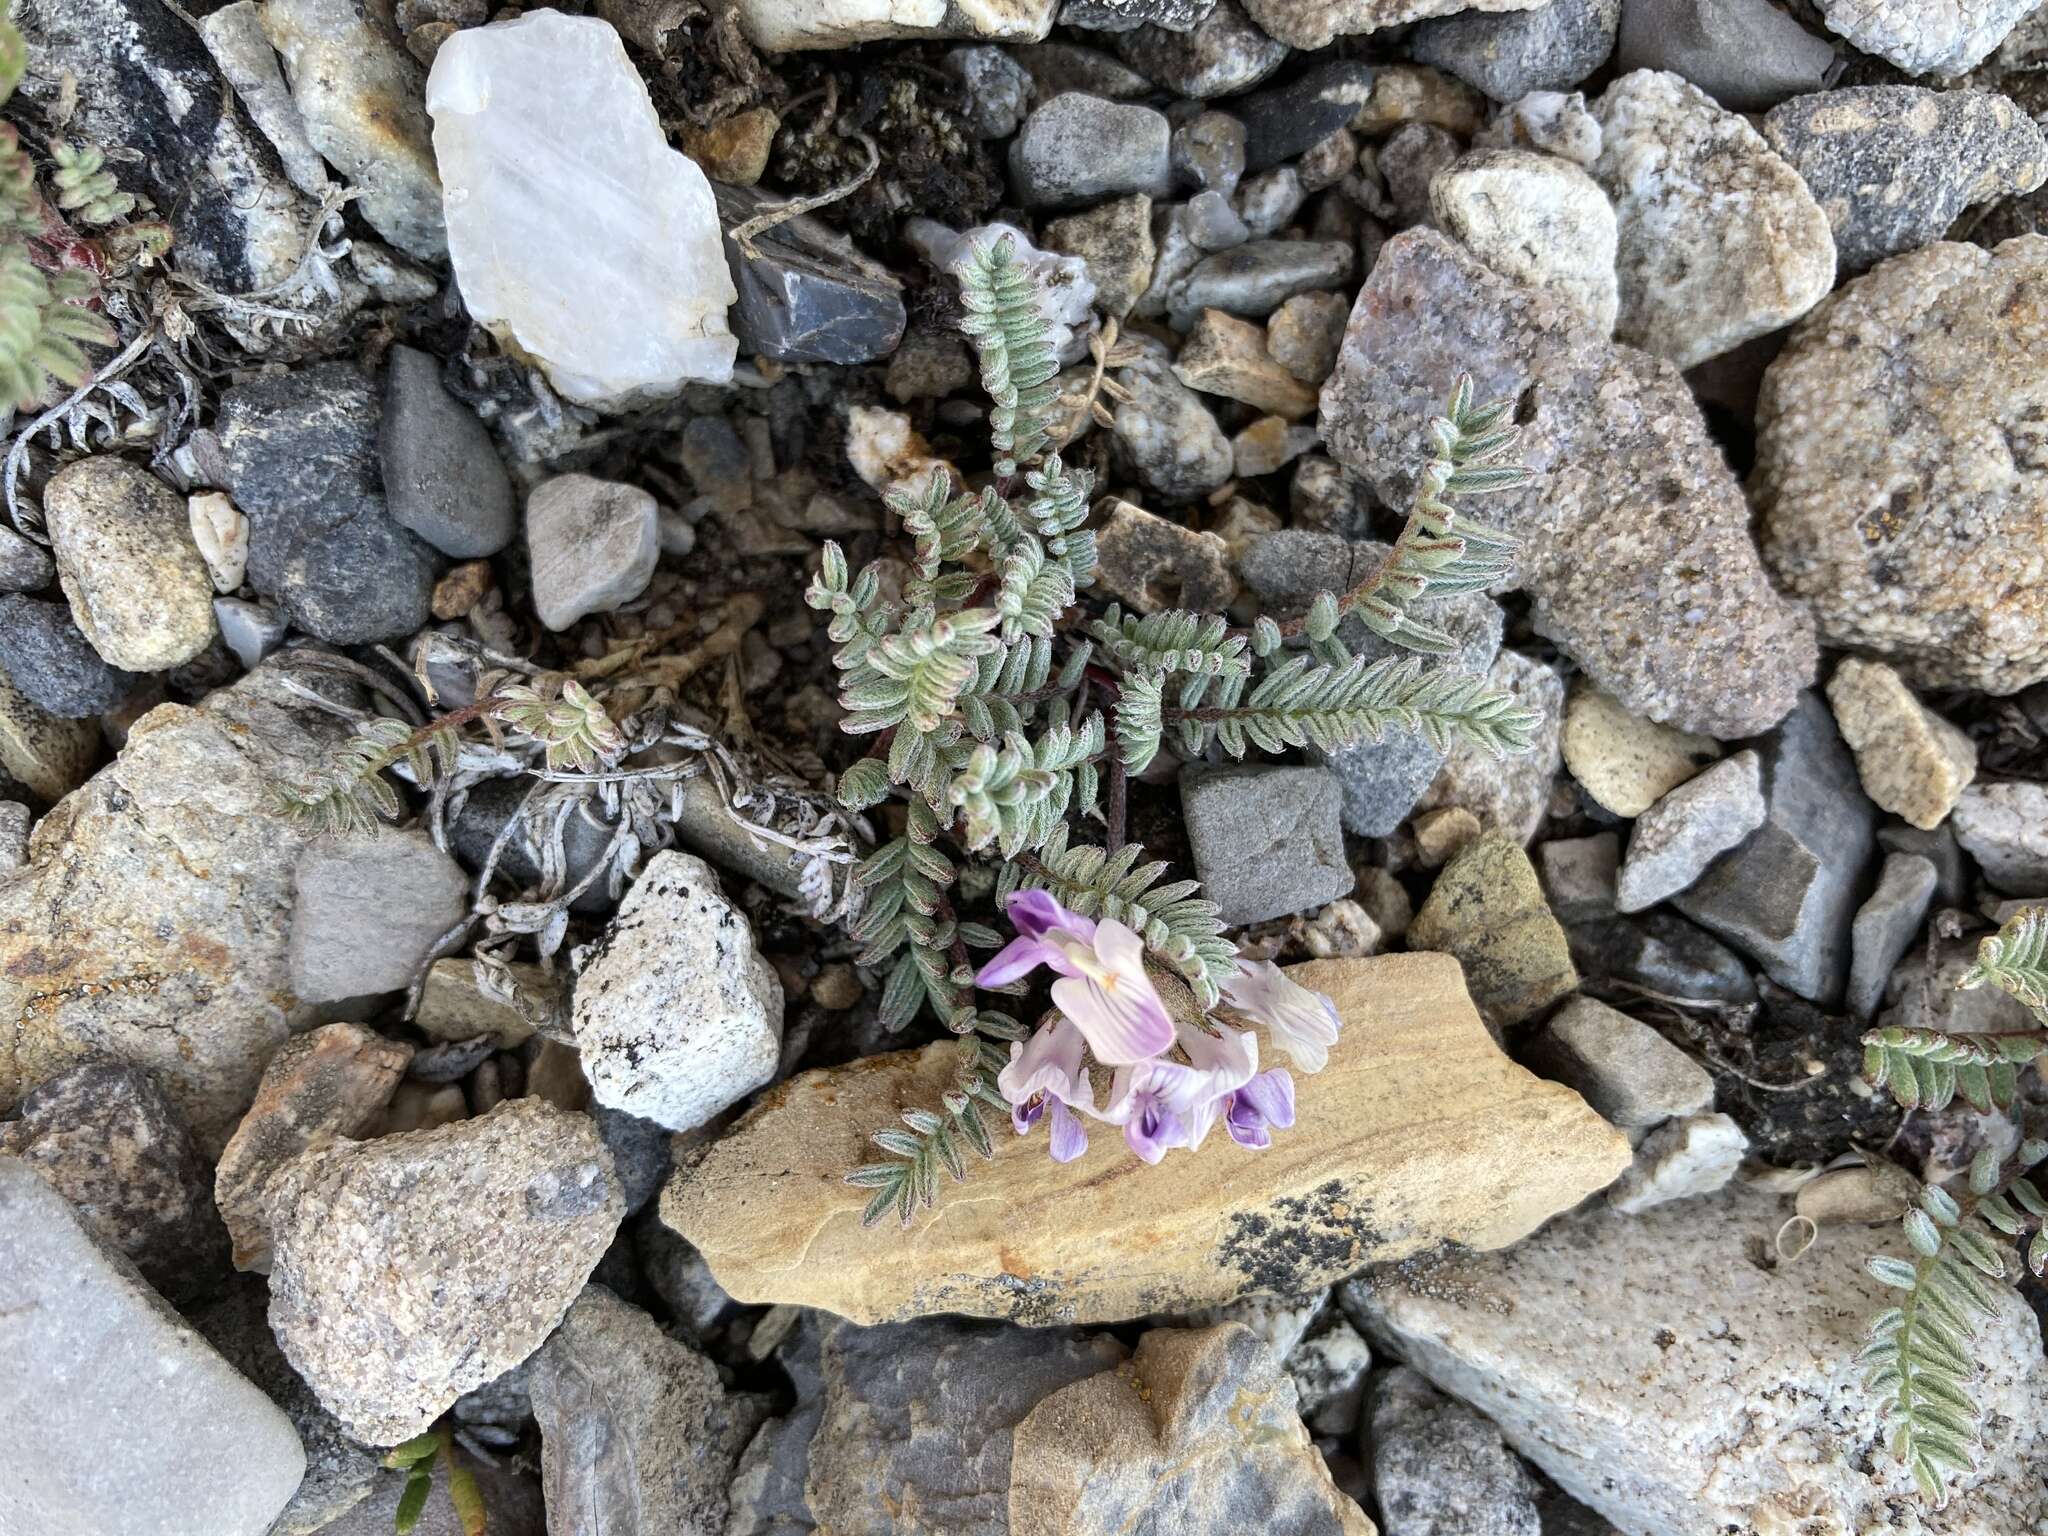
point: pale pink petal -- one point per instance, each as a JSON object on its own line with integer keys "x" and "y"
{"x": 1069, "y": 1138}
{"x": 1120, "y": 1026}
{"x": 1019, "y": 958}
{"x": 1303, "y": 1023}
{"x": 1035, "y": 914}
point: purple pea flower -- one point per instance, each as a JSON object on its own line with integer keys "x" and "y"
{"x": 1102, "y": 988}
{"x": 1303, "y": 1023}
{"x": 1046, "y": 1077}
{"x": 1263, "y": 1105}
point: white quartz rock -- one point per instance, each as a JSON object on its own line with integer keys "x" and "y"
{"x": 577, "y": 234}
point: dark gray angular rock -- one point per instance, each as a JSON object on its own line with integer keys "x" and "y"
{"x": 136, "y": 76}
{"x": 1508, "y": 54}
{"x": 1283, "y": 121}
{"x": 1266, "y": 839}
{"x": 1650, "y": 580}
{"x": 681, "y": 1277}
{"x": 1886, "y": 925}
{"x": 250, "y": 630}
{"x": 1225, "y": 54}
{"x": 1441, "y": 1468}
{"x": 1382, "y": 780}
{"x": 298, "y": 451}
{"x": 45, "y": 656}
{"x": 1748, "y": 55}
{"x": 340, "y": 1473}
{"x": 442, "y": 476}
{"x": 808, "y": 296}
{"x": 640, "y": 1153}
{"x": 1664, "y": 953}
{"x": 114, "y": 1407}
{"x": 25, "y": 566}
{"x": 637, "y": 1431}
{"x": 952, "y": 1392}
{"x": 1893, "y": 166}
{"x": 111, "y": 1142}
{"x": 1788, "y": 895}
{"x": 1255, "y": 279}
{"x": 1077, "y": 149}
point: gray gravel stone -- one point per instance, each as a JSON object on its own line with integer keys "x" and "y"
{"x": 1629, "y": 1073}
{"x": 442, "y": 475}
{"x": 1328, "y": 1369}
{"x": 132, "y": 74}
{"x": 1788, "y": 895}
{"x": 46, "y": 657}
{"x": 959, "y": 1459}
{"x": 1282, "y": 122}
{"x": 1078, "y": 148}
{"x": 1170, "y": 438}
{"x": 1224, "y": 54}
{"x": 1057, "y": 67}
{"x": 1748, "y": 55}
{"x": 110, "y": 1141}
{"x": 1651, "y": 584}
{"x": 250, "y": 630}
{"x": 25, "y": 566}
{"x": 1886, "y": 485}
{"x": 1441, "y": 1468}
{"x": 676, "y": 1013}
{"x": 1719, "y": 240}
{"x": 1579, "y": 874}
{"x": 1207, "y": 152}
{"x": 637, "y": 1431}
{"x": 411, "y": 1269}
{"x": 1381, "y": 780}
{"x": 994, "y": 88}
{"x": 210, "y": 927}
{"x": 2004, "y": 827}
{"x": 362, "y": 98}
{"x": 1511, "y": 53}
{"x": 367, "y": 910}
{"x": 117, "y": 1416}
{"x": 340, "y": 1473}
{"x": 138, "y": 589}
{"x": 1674, "y": 840}
{"x": 594, "y": 544}
{"x": 299, "y": 454}
{"x": 1679, "y": 1161}
{"x": 1923, "y": 39}
{"x": 1886, "y": 926}
{"x": 1255, "y": 279}
{"x": 1265, "y": 839}
{"x": 1893, "y": 166}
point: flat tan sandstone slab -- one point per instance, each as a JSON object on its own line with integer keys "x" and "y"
{"x": 1419, "y": 1132}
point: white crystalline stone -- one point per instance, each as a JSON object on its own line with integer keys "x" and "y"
{"x": 577, "y": 234}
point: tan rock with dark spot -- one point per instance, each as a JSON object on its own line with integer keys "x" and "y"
{"x": 332, "y": 1083}
{"x": 1417, "y": 1134}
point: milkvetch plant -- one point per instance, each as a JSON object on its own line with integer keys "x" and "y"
{"x": 1007, "y": 712}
